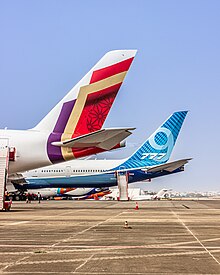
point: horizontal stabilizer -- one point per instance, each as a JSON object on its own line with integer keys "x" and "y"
{"x": 105, "y": 139}
{"x": 169, "y": 167}
{"x": 17, "y": 180}
{"x": 18, "y": 177}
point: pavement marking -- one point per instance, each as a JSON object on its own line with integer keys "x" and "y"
{"x": 210, "y": 240}
{"x": 31, "y": 220}
{"x": 85, "y": 262}
{"x": 89, "y": 273}
{"x": 16, "y": 223}
{"x": 12, "y": 263}
{"x": 41, "y": 218}
{"x": 64, "y": 240}
{"x": 187, "y": 228}
{"x": 116, "y": 257}
{"x": 87, "y": 229}
{"x": 191, "y": 242}
{"x": 100, "y": 248}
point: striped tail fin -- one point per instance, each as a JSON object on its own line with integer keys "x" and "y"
{"x": 158, "y": 147}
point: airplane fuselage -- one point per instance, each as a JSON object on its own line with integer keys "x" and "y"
{"x": 30, "y": 149}
{"x": 33, "y": 149}
{"x": 96, "y": 173}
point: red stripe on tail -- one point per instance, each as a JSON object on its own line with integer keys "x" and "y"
{"x": 95, "y": 111}
{"x": 111, "y": 70}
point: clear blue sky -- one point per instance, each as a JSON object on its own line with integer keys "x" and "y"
{"x": 47, "y": 46}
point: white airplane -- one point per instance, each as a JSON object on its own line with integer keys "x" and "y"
{"x": 132, "y": 194}
{"x": 72, "y": 129}
{"x": 73, "y": 193}
{"x": 149, "y": 161}
{"x": 160, "y": 194}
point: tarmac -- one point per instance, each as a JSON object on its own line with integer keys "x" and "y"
{"x": 88, "y": 237}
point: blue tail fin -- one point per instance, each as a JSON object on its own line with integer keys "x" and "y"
{"x": 158, "y": 147}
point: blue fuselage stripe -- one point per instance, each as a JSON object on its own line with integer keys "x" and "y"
{"x": 100, "y": 180}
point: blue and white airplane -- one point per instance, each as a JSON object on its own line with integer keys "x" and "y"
{"x": 149, "y": 161}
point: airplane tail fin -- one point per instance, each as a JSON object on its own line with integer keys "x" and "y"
{"x": 85, "y": 108}
{"x": 160, "y": 194}
{"x": 158, "y": 147}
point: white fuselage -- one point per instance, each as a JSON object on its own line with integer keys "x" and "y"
{"x": 31, "y": 151}
{"x": 52, "y": 192}
{"x": 74, "y": 167}
{"x": 44, "y": 192}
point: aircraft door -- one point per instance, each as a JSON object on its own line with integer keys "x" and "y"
{"x": 68, "y": 171}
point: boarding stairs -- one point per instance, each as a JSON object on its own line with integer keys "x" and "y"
{"x": 122, "y": 180}
{"x": 4, "y": 160}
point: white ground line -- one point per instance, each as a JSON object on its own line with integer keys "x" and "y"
{"x": 31, "y": 220}
{"x": 16, "y": 223}
{"x": 85, "y": 262}
{"x": 14, "y": 263}
{"x": 89, "y": 273}
{"x": 106, "y": 258}
{"x": 38, "y": 218}
{"x": 87, "y": 229}
{"x": 81, "y": 232}
{"x": 101, "y": 248}
{"x": 187, "y": 228}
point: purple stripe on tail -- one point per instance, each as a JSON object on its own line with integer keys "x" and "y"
{"x": 64, "y": 116}
{"x": 54, "y": 152}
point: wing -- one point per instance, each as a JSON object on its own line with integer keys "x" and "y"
{"x": 105, "y": 139}
{"x": 169, "y": 167}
